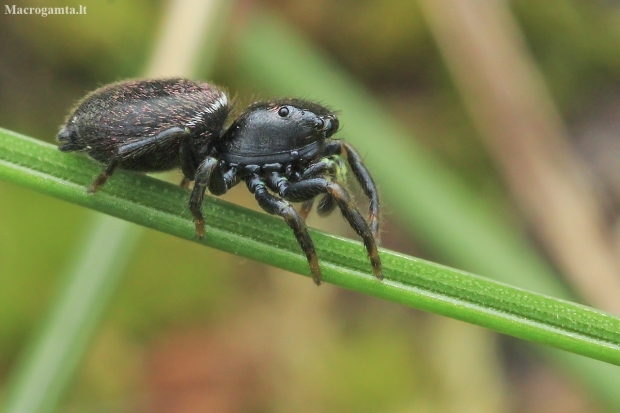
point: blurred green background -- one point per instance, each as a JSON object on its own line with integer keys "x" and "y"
{"x": 193, "y": 329}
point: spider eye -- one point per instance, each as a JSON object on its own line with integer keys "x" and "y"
{"x": 283, "y": 112}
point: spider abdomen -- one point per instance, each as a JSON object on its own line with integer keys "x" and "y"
{"x": 134, "y": 111}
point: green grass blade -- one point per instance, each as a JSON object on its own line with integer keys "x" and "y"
{"x": 410, "y": 281}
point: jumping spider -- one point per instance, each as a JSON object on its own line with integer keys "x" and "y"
{"x": 282, "y": 149}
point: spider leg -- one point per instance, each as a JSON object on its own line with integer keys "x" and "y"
{"x": 202, "y": 179}
{"x": 325, "y": 167}
{"x": 185, "y": 182}
{"x": 305, "y": 209}
{"x": 165, "y": 137}
{"x": 326, "y": 206}
{"x": 133, "y": 149}
{"x": 223, "y": 178}
{"x": 102, "y": 177}
{"x": 363, "y": 178}
{"x": 130, "y": 150}
{"x": 308, "y": 189}
{"x": 277, "y": 206}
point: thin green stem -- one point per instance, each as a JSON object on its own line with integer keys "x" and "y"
{"x": 410, "y": 281}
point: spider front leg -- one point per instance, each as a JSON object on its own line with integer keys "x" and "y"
{"x": 277, "y": 206}
{"x": 308, "y": 189}
{"x": 325, "y": 167}
{"x": 363, "y": 178}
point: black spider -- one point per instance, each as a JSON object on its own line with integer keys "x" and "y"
{"x": 282, "y": 149}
